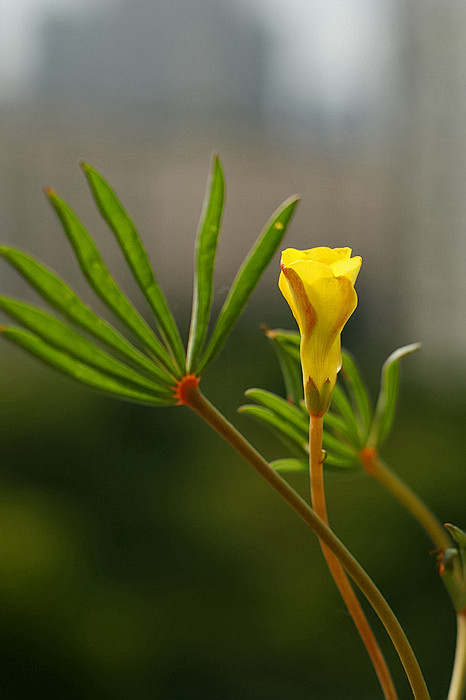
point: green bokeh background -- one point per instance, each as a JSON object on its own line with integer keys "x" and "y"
{"x": 141, "y": 558}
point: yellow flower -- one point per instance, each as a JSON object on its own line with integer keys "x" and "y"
{"x": 318, "y": 284}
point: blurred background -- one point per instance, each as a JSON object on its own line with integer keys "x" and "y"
{"x": 139, "y": 557}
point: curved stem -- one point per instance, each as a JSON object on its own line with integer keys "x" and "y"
{"x": 458, "y": 680}
{"x": 200, "y": 405}
{"x": 337, "y": 571}
{"x": 374, "y": 466}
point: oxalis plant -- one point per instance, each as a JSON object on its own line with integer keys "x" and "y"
{"x": 154, "y": 368}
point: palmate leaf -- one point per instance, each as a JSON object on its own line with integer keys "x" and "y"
{"x": 247, "y": 278}
{"x": 99, "y": 278}
{"x": 205, "y": 251}
{"x": 82, "y": 372}
{"x": 62, "y": 337}
{"x": 59, "y": 295}
{"x": 130, "y": 243}
{"x": 386, "y": 402}
{"x": 292, "y": 426}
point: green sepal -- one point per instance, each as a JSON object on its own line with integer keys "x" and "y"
{"x": 386, "y": 402}
{"x": 247, "y": 278}
{"x": 82, "y": 372}
{"x": 59, "y": 295}
{"x": 290, "y": 436}
{"x": 61, "y": 336}
{"x": 358, "y": 393}
{"x": 205, "y": 252}
{"x": 101, "y": 281}
{"x": 130, "y": 243}
{"x": 453, "y": 568}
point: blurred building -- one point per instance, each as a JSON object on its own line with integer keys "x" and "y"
{"x": 145, "y": 90}
{"x": 434, "y": 173}
{"x": 187, "y": 59}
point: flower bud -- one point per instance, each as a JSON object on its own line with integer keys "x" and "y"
{"x": 318, "y": 285}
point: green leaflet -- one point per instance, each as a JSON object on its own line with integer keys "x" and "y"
{"x": 59, "y": 335}
{"x": 78, "y": 370}
{"x": 386, "y": 403}
{"x": 342, "y": 405}
{"x": 358, "y": 392}
{"x": 289, "y": 465}
{"x": 205, "y": 251}
{"x": 128, "y": 238}
{"x": 99, "y": 278}
{"x": 338, "y": 449}
{"x": 282, "y": 408}
{"x": 64, "y": 299}
{"x": 291, "y": 437}
{"x": 293, "y": 423}
{"x": 290, "y": 368}
{"x": 338, "y": 426}
{"x": 247, "y": 278}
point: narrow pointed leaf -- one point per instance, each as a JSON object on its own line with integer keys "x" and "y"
{"x": 341, "y": 403}
{"x": 281, "y": 426}
{"x": 386, "y": 403}
{"x": 59, "y": 335}
{"x": 289, "y": 339}
{"x": 80, "y": 371}
{"x": 282, "y": 408}
{"x": 338, "y": 463}
{"x": 247, "y": 278}
{"x": 289, "y": 465}
{"x": 292, "y": 374}
{"x": 338, "y": 427}
{"x": 290, "y": 368}
{"x": 99, "y": 278}
{"x": 128, "y": 238}
{"x": 359, "y": 393}
{"x": 336, "y": 447}
{"x": 205, "y": 251}
{"x": 59, "y": 295}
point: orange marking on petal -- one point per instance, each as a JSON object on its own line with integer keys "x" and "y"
{"x": 306, "y": 311}
{"x": 181, "y": 390}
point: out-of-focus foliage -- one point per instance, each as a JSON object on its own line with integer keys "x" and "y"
{"x": 132, "y": 566}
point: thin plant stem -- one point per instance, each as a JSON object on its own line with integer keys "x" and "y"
{"x": 336, "y": 569}
{"x": 200, "y": 405}
{"x": 374, "y": 466}
{"x": 458, "y": 679}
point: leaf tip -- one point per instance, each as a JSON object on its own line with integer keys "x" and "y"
{"x": 50, "y": 192}
{"x": 268, "y": 332}
{"x": 86, "y": 167}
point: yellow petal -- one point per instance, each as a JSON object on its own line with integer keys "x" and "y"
{"x": 318, "y": 285}
{"x": 348, "y": 268}
{"x": 321, "y": 254}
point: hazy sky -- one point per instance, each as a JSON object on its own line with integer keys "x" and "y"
{"x": 335, "y": 48}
